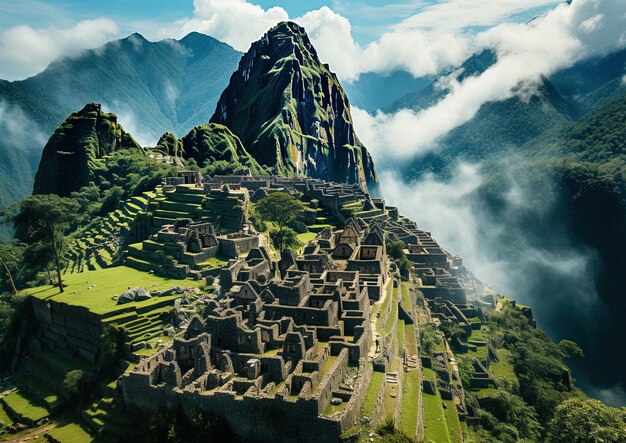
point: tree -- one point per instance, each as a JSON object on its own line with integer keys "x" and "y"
{"x": 395, "y": 249}
{"x": 282, "y": 210}
{"x": 45, "y": 219}
{"x": 73, "y": 381}
{"x": 570, "y": 349}
{"x": 11, "y": 259}
{"x": 284, "y": 239}
{"x": 580, "y": 421}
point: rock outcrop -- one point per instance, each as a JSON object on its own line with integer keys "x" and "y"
{"x": 68, "y": 159}
{"x": 291, "y": 113}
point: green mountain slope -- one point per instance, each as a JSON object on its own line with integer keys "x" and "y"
{"x": 291, "y": 113}
{"x": 553, "y": 195}
{"x": 155, "y": 86}
{"x": 68, "y": 159}
{"x": 216, "y": 143}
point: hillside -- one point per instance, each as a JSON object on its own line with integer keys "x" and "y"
{"x": 553, "y": 187}
{"x": 68, "y": 161}
{"x": 291, "y": 113}
{"x": 160, "y": 86}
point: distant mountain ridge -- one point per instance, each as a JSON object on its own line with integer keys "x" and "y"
{"x": 564, "y": 150}
{"x": 290, "y": 117}
{"x": 170, "y": 85}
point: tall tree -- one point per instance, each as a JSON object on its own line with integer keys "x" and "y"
{"x": 45, "y": 219}
{"x": 282, "y": 210}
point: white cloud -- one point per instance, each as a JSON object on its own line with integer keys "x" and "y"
{"x": 526, "y": 52}
{"x": 240, "y": 23}
{"x": 414, "y": 51}
{"x": 127, "y": 118}
{"x": 16, "y": 128}
{"x": 235, "y": 22}
{"x": 458, "y": 14}
{"x": 25, "y": 51}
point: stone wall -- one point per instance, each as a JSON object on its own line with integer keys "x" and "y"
{"x": 67, "y": 330}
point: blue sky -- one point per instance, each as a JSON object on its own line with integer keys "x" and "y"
{"x": 422, "y": 37}
{"x": 369, "y": 18}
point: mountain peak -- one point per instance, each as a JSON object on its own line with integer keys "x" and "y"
{"x": 291, "y": 113}
{"x": 67, "y": 161}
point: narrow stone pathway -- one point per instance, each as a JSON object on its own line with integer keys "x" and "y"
{"x": 375, "y": 334}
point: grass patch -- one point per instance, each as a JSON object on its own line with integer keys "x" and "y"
{"x": 306, "y": 237}
{"x": 410, "y": 342}
{"x": 410, "y": 397}
{"x": 452, "y": 421}
{"x": 435, "y": 428}
{"x": 503, "y": 370}
{"x": 108, "y": 282}
{"x": 329, "y": 364}
{"x": 71, "y": 432}
{"x": 215, "y": 262}
{"x": 25, "y": 405}
{"x": 376, "y": 384}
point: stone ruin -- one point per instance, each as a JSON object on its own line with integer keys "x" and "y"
{"x": 280, "y": 339}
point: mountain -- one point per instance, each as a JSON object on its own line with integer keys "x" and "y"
{"x": 216, "y": 143}
{"x": 291, "y": 113}
{"x": 372, "y": 91}
{"x": 497, "y": 126}
{"x": 427, "y": 95}
{"x": 553, "y": 190}
{"x": 170, "y": 85}
{"x": 68, "y": 159}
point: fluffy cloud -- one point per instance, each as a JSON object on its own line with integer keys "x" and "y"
{"x": 239, "y": 23}
{"x": 458, "y": 14}
{"x": 25, "y": 51}
{"x": 235, "y": 22}
{"x": 526, "y": 52}
{"x": 411, "y": 50}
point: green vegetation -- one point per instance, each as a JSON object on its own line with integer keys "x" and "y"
{"x": 95, "y": 289}
{"x": 587, "y": 421}
{"x": 219, "y": 149}
{"x": 71, "y": 432}
{"x": 25, "y": 405}
{"x": 410, "y": 403}
{"x": 73, "y": 381}
{"x": 391, "y": 434}
{"x": 282, "y": 210}
{"x": 41, "y": 222}
{"x": 435, "y": 429}
{"x": 371, "y": 396}
{"x": 395, "y": 250}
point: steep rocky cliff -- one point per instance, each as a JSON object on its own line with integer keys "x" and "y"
{"x": 291, "y": 113}
{"x": 68, "y": 159}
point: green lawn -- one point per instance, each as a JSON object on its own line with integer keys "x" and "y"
{"x": 406, "y": 297}
{"x": 70, "y": 433}
{"x": 215, "y": 262}
{"x": 108, "y": 282}
{"x": 503, "y": 370}
{"x": 435, "y": 428}
{"x": 410, "y": 396}
{"x": 452, "y": 421}
{"x": 25, "y": 405}
{"x": 4, "y": 417}
{"x": 410, "y": 342}
{"x": 376, "y": 384}
{"x": 306, "y": 237}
